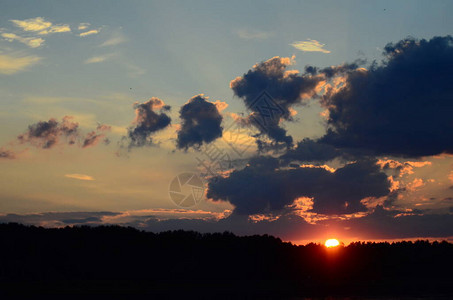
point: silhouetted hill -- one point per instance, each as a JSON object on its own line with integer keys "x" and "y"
{"x": 113, "y": 259}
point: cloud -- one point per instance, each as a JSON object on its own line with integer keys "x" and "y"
{"x": 94, "y": 137}
{"x": 402, "y": 168}
{"x": 401, "y": 107}
{"x": 90, "y": 32}
{"x": 41, "y": 26}
{"x": 116, "y": 39}
{"x": 56, "y": 29}
{"x": 380, "y": 224}
{"x": 310, "y": 46}
{"x": 263, "y": 186}
{"x": 46, "y": 134}
{"x": 269, "y": 91}
{"x": 100, "y": 58}
{"x": 147, "y": 122}
{"x": 83, "y": 26}
{"x": 387, "y": 224}
{"x": 200, "y": 122}
{"x": 11, "y": 64}
{"x": 33, "y": 24}
{"x": 56, "y": 219}
{"x": 31, "y": 42}
{"x": 8, "y": 154}
{"x": 80, "y": 177}
{"x": 254, "y": 34}
{"x": 309, "y": 150}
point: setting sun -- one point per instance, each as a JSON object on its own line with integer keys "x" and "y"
{"x": 331, "y": 243}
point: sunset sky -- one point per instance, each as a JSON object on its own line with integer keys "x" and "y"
{"x": 103, "y": 104}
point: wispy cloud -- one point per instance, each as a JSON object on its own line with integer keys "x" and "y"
{"x": 134, "y": 71}
{"x": 40, "y": 26}
{"x": 99, "y": 58}
{"x": 310, "y": 46}
{"x": 246, "y": 34}
{"x": 10, "y": 64}
{"x": 116, "y": 39}
{"x": 90, "y": 32}
{"x": 80, "y": 177}
{"x": 32, "y": 42}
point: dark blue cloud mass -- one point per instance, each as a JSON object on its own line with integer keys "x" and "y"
{"x": 200, "y": 123}
{"x": 263, "y": 186}
{"x": 148, "y": 121}
{"x": 402, "y": 107}
{"x": 283, "y": 88}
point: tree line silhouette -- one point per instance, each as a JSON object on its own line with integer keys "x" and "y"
{"x": 115, "y": 259}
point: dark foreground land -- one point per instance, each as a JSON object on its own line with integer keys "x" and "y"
{"x": 84, "y": 261}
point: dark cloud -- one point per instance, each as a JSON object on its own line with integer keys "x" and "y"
{"x": 147, "y": 122}
{"x": 200, "y": 123}
{"x": 56, "y": 218}
{"x": 380, "y": 224}
{"x": 87, "y": 220}
{"x": 46, "y": 134}
{"x": 402, "y": 107}
{"x": 95, "y": 136}
{"x": 8, "y": 154}
{"x": 385, "y": 224}
{"x": 333, "y": 71}
{"x": 269, "y": 90}
{"x": 263, "y": 186}
{"x": 309, "y": 150}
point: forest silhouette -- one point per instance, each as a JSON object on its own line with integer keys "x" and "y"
{"x": 123, "y": 260}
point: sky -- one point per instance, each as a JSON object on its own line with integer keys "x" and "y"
{"x": 301, "y": 119}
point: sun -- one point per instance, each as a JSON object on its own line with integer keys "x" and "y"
{"x": 331, "y": 243}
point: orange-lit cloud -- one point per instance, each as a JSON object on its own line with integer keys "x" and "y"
{"x": 415, "y": 184}
{"x": 405, "y": 168}
{"x": 79, "y": 177}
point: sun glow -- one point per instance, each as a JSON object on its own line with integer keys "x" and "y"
{"x": 331, "y": 243}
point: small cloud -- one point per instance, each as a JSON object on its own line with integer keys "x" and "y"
{"x": 10, "y": 64}
{"x": 100, "y": 58}
{"x": 254, "y": 34}
{"x": 56, "y": 29}
{"x": 91, "y": 32}
{"x": 147, "y": 122}
{"x": 95, "y": 136}
{"x": 310, "y": 46}
{"x": 8, "y": 154}
{"x": 41, "y": 26}
{"x": 80, "y": 177}
{"x": 46, "y": 134}
{"x": 31, "y": 42}
{"x": 116, "y": 39}
{"x": 83, "y": 26}
{"x": 33, "y": 24}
